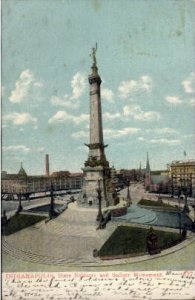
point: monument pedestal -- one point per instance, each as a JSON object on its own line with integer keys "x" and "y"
{"x": 97, "y": 178}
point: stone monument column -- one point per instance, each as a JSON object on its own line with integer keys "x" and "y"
{"x": 96, "y": 170}
{"x": 96, "y": 146}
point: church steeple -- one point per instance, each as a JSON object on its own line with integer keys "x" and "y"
{"x": 148, "y": 164}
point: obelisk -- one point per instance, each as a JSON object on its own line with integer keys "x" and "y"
{"x": 96, "y": 171}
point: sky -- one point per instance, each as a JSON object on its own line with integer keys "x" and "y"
{"x": 146, "y": 60}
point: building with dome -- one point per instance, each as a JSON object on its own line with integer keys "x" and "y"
{"x": 24, "y": 185}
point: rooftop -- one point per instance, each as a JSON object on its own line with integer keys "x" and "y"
{"x": 183, "y": 162}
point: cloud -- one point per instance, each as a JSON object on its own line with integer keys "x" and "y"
{"x": 107, "y": 94}
{"x": 189, "y": 84}
{"x": 21, "y": 148}
{"x": 174, "y": 100}
{"x": 63, "y": 117}
{"x": 137, "y": 113}
{"x": 23, "y": 86}
{"x": 192, "y": 102}
{"x": 40, "y": 149}
{"x": 165, "y": 141}
{"x": 56, "y": 101}
{"x": 78, "y": 84}
{"x": 190, "y": 135}
{"x": 80, "y": 134}
{"x": 144, "y": 83}
{"x": 109, "y": 133}
{"x": 164, "y": 130}
{"x": 19, "y": 118}
{"x": 17, "y": 148}
{"x": 115, "y": 133}
{"x": 162, "y": 141}
{"x": 110, "y": 116}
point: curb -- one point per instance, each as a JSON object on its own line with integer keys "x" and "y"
{"x": 138, "y": 259}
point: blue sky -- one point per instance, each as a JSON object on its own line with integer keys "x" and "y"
{"x": 146, "y": 61}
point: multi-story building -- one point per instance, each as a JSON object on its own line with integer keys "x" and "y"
{"x": 24, "y": 185}
{"x": 182, "y": 174}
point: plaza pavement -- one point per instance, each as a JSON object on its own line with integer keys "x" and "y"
{"x": 67, "y": 243}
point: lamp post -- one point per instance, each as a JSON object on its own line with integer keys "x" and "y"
{"x": 51, "y": 209}
{"x": 4, "y": 222}
{"x": 185, "y": 189}
{"x": 186, "y": 208}
{"x": 20, "y": 208}
{"x": 99, "y": 196}
{"x": 128, "y": 193}
{"x": 179, "y": 217}
{"x": 172, "y": 187}
{"x": 179, "y": 199}
{"x": 193, "y": 205}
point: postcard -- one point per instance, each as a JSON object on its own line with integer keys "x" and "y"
{"x": 98, "y": 161}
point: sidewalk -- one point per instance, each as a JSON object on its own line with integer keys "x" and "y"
{"x": 68, "y": 242}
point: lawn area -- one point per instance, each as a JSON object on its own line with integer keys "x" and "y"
{"x": 153, "y": 203}
{"x": 20, "y": 221}
{"x": 132, "y": 240}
